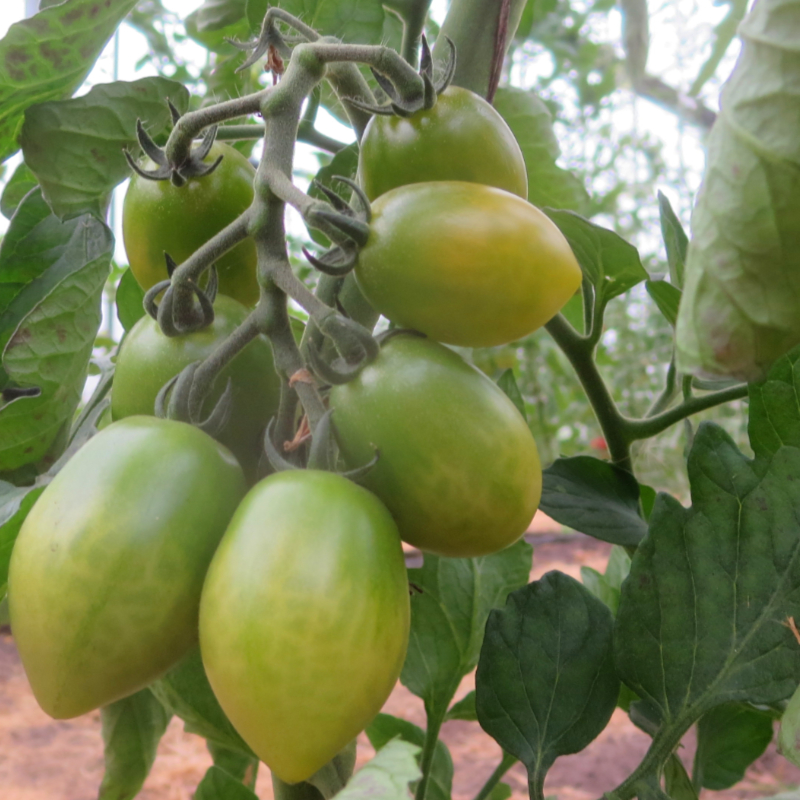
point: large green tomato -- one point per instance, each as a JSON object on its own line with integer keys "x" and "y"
{"x": 148, "y": 359}
{"x": 158, "y": 217}
{"x": 457, "y": 466}
{"x": 466, "y": 264}
{"x": 107, "y": 570}
{"x": 462, "y": 138}
{"x": 304, "y": 618}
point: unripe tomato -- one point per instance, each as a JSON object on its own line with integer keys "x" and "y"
{"x": 457, "y": 466}
{"x": 148, "y": 359}
{"x": 158, "y": 217}
{"x": 462, "y": 138}
{"x": 106, "y": 573}
{"x": 464, "y": 263}
{"x": 304, "y": 618}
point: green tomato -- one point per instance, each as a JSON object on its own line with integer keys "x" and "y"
{"x": 107, "y": 570}
{"x": 158, "y": 217}
{"x": 465, "y": 264}
{"x": 457, "y": 467}
{"x": 148, "y": 359}
{"x": 304, "y": 618}
{"x": 462, "y": 138}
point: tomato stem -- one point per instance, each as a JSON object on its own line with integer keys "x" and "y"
{"x": 472, "y": 26}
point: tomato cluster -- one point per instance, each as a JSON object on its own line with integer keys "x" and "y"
{"x": 148, "y": 539}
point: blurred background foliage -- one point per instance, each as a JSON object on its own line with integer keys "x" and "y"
{"x": 632, "y": 87}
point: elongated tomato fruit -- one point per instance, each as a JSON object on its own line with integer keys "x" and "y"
{"x": 304, "y": 618}
{"x": 106, "y": 573}
{"x": 464, "y": 263}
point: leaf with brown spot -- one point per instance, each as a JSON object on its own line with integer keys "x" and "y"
{"x": 48, "y": 56}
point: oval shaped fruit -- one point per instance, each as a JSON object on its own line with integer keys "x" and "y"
{"x": 304, "y": 617}
{"x": 458, "y": 467}
{"x": 148, "y": 359}
{"x": 462, "y": 138}
{"x": 158, "y": 217}
{"x": 107, "y": 570}
{"x": 465, "y": 264}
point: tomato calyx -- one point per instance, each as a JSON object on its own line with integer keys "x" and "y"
{"x": 357, "y": 347}
{"x": 397, "y": 105}
{"x": 322, "y": 453}
{"x": 175, "y": 318}
{"x": 350, "y": 219}
{"x": 179, "y": 399}
{"x": 192, "y": 167}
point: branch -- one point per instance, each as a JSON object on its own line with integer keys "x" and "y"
{"x": 652, "y": 426}
{"x": 576, "y": 348}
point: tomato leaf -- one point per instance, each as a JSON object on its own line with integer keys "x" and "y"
{"x": 611, "y": 264}
{"x": 675, "y": 240}
{"x": 386, "y": 776}
{"x": 677, "y": 783}
{"x": 741, "y": 294}
{"x": 788, "y": 736}
{"x": 464, "y": 709}
{"x": 186, "y": 692}
{"x": 132, "y": 728}
{"x": 703, "y": 616}
{"x": 47, "y": 57}
{"x": 775, "y": 408}
{"x": 606, "y": 587}
{"x": 545, "y": 685}
{"x": 333, "y": 777}
{"x": 217, "y": 20}
{"x": 74, "y": 147}
{"x": 20, "y": 183}
{"x": 15, "y": 503}
{"x": 385, "y": 728}
{"x": 365, "y": 22}
{"x": 508, "y": 383}
{"x": 242, "y": 766}
{"x": 531, "y": 123}
{"x": 52, "y": 283}
{"x": 730, "y": 738}
{"x": 448, "y": 617}
{"x": 666, "y": 297}
{"x": 595, "y": 498}
{"x": 217, "y": 784}
{"x": 129, "y": 300}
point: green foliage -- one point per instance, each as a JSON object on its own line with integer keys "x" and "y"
{"x": 595, "y": 498}
{"x": 52, "y": 282}
{"x": 186, "y": 692}
{"x": 132, "y": 728}
{"x": 385, "y": 777}
{"x": 730, "y": 738}
{"x": 384, "y": 728}
{"x": 48, "y": 56}
{"x": 532, "y": 124}
{"x": 62, "y": 141}
{"x": 448, "y": 617}
{"x": 739, "y": 310}
{"x": 546, "y": 685}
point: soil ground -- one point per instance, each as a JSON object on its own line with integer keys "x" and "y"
{"x": 43, "y": 759}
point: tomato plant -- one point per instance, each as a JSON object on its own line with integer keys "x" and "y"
{"x": 148, "y": 359}
{"x": 417, "y": 403}
{"x": 105, "y": 578}
{"x": 304, "y": 618}
{"x": 464, "y": 263}
{"x": 143, "y": 581}
{"x": 158, "y": 217}
{"x": 462, "y": 138}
